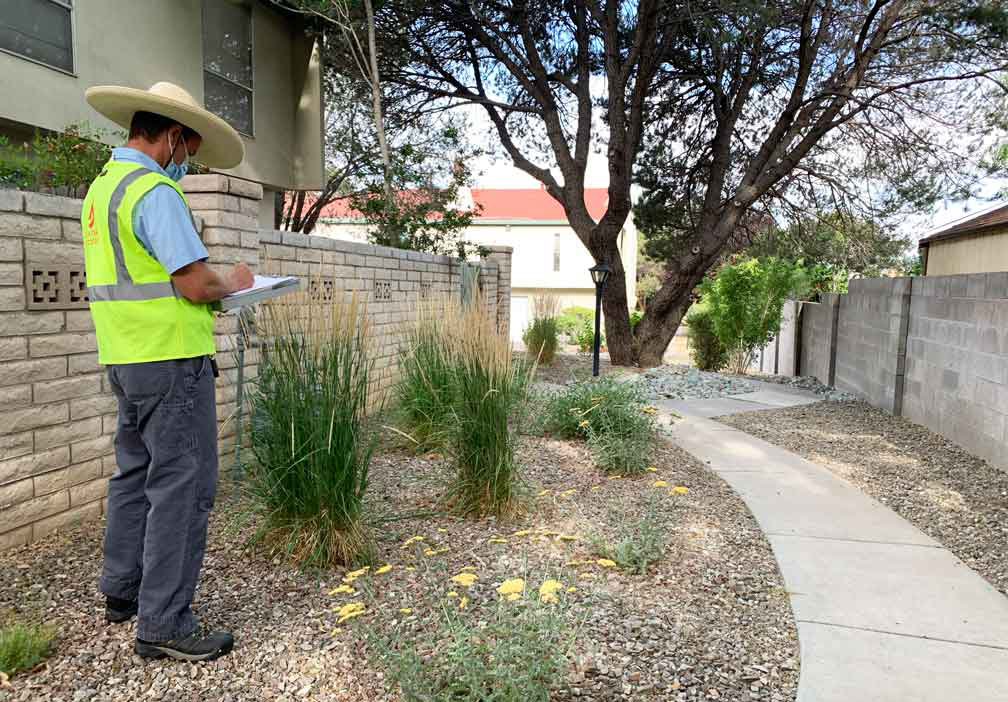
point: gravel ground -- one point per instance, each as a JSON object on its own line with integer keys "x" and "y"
{"x": 957, "y": 499}
{"x": 810, "y": 383}
{"x": 710, "y": 622}
{"x": 680, "y": 382}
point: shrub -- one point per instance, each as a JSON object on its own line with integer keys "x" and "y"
{"x": 744, "y": 302}
{"x": 639, "y": 541}
{"x": 484, "y": 386}
{"x": 610, "y": 415}
{"x": 312, "y": 448}
{"x": 23, "y": 646}
{"x": 574, "y": 318}
{"x": 504, "y": 650}
{"x": 17, "y": 168}
{"x": 67, "y": 160}
{"x": 706, "y": 350}
{"x": 541, "y": 336}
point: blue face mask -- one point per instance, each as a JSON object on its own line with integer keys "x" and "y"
{"x": 176, "y": 171}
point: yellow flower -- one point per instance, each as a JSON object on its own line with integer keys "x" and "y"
{"x": 565, "y": 493}
{"x": 651, "y": 469}
{"x": 353, "y": 575}
{"x": 512, "y": 589}
{"x": 465, "y": 579}
{"x": 463, "y": 602}
{"x": 411, "y": 540}
{"x": 572, "y": 589}
{"x": 543, "y": 493}
{"x": 659, "y": 484}
{"x": 452, "y": 594}
{"x": 650, "y": 410}
{"x": 513, "y": 597}
{"x": 595, "y": 487}
{"x": 548, "y": 590}
{"x": 343, "y": 589}
{"x": 583, "y": 423}
{"x": 443, "y": 531}
{"x": 405, "y": 610}
{"x": 606, "y": 563}
{"x": 436, "y": 551}
{"x": 468, "y": 568}
{"x": 384, "y": 569}
{"x": 498, "y": 540}
{"x": 615, "y": 477}
{"x": 568, "y": 537}
{"x": 523, "y": 532}
{"x": 410, "y": 568}
{"x": 349, "y": 611}
{"x": 680, "y": 490}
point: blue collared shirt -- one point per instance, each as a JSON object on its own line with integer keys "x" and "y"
{"x": 161, "y": 220}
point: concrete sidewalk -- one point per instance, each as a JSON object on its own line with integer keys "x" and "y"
{"x": 884, "y": 612}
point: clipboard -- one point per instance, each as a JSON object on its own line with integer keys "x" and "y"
{"x": 263, "y": 288}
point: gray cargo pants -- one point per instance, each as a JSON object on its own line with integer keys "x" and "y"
{"x": 160, "y": 499}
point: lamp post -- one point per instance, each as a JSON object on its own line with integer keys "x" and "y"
{"x": 600, "y": 274}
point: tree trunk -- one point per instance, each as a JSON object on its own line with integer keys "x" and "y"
{"x": 379, "y": 119}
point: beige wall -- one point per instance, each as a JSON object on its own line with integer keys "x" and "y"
{"x": 984, "y": 253}
{"x": 140, "y": 42}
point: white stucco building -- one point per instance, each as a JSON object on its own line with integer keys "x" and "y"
{"x": 548, "y": 256}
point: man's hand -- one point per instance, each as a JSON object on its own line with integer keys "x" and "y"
{"x": 240, "y": 277}
{"x": 199, "y": 283}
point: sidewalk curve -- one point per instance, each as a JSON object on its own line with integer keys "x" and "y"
{"x": 884, "y": 612}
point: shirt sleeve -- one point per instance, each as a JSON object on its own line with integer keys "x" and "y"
{"x": 164, "y": 227}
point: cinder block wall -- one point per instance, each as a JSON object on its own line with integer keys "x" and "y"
{"x": 957, "y": 361}
{"x": 57, "y": 414}
{"x": 871, "y": 338}
{"x": 818, "y": 338}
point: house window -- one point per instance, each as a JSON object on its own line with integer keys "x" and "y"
{"x": 556, "y": 253}
{"x": 39, "y": 30}
{"x": 227, "y": 62}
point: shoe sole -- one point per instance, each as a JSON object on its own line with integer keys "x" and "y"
{"x": 154, "y": 652}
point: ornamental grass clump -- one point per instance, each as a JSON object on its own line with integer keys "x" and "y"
{"x": 483, "y": 387}
{"x": 310, "y": 442}
{"x": 422, "y": 392}
{"x": 541, "y": 336}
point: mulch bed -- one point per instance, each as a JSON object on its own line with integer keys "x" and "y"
{"x": 956, "y": 498}
{"x": 710, "y": 621}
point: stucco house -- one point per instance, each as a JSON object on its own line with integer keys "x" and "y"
{"x": 548, "y": 256}
{"x": 975, "y": 244}
{"x": 247, "y": 60}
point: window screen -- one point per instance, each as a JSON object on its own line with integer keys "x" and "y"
{"x": 39, "y": 30}
{"x": 227, "y": 62}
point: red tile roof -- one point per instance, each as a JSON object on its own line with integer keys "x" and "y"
{"x": 978, "y": 224}
{"x": 533, "y": 204}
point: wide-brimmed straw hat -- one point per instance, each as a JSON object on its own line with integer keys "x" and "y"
{"x": 222, "y": 147}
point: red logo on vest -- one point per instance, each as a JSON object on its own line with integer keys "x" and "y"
{"x": 91, "y": 235}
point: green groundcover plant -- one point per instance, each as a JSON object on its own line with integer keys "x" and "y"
{"x": 23, "y": 645}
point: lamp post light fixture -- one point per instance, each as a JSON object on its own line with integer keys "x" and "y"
{"x": 600, "y": 274}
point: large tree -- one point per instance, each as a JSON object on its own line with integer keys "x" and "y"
{"x": 742, "y": 110}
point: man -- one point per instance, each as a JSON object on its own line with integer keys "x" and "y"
{"x": 149, "y": 287}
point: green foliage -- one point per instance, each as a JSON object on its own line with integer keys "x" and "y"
{"x": 706, "y": 349}
{"x": 610, "y": 415}
{"x": 635, "y": 318}
{"x": 493, "y": 649}
{"x": 574, "y": 318}
{"x": 463, "y": 387}
{"x": 23, "y": 646}
{"x": 639, "y": 541}
{"x": 312, "y": 448}
{"x": 423, "y": 391}
{"x": 69, "y": 160}
{"x": 744, "y": 302}
{"x": 823, "y": 278}
{"x": 912, "y": 264}
{"x": 541, "y": 340}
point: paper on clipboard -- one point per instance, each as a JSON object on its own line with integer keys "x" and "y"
{"x": 264, "y": 287}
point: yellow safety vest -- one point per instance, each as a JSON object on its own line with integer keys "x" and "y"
{"x": 138, "y": 314}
